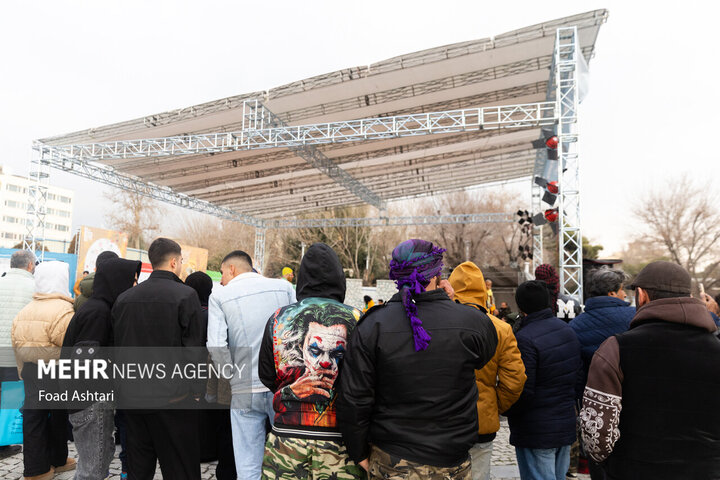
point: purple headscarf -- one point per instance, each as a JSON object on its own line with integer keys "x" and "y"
{"x": 414, "y": 263}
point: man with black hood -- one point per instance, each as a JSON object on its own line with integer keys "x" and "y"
{"x": 92, "y": 326}
{"x": 300, "y": 357}
{"x": 86, "y": 284}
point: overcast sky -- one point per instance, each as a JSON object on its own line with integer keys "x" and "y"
{"x": 652, "y": 111}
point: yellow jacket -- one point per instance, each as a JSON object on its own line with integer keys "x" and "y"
{"x": 369, "y": 305}
{"x": 39, "y": 329}
{"x": 500, "y": 382}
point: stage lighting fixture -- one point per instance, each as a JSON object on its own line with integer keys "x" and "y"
{"x": 539, "y": 219}
{"x": 549, "y": 141}
{"x": 551, "y": 215}
{"x": 552, "y": 142}
{"x": 549, "y": 198}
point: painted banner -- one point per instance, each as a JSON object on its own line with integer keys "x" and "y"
{"x": 194, "y": 260}
{"x": 94, "y": 241}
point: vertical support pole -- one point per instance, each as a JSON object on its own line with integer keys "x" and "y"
{"x": 37, "y": 201}
{"x": 259, "y": 260}
{"x": 537, "y": 230}
{"x": 567, "y": 51}
{"x": 541, "y": 165}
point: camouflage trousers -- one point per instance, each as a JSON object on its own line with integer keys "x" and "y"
{"x": 389, "y": 467}
{"x": 289, "y": 458}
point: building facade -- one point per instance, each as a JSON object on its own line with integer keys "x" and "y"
{"x": 14, "y": 206}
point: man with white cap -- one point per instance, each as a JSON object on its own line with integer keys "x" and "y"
{"x": 37, "y": 334}
{"x": 16, "y": 291}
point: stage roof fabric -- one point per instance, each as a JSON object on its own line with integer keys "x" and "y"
{"x": 511, "y": 68}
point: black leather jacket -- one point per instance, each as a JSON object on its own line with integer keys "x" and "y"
{"x": 419, "y": 406}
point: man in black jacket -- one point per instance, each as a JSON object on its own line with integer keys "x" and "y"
{"x": 161, "y": 312}
{"x": 650, "y": 405}
{"x": 408, "y": 383}
{"x": 91, "y": 326}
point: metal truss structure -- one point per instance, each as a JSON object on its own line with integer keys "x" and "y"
{"x": 258, "y": 115}
{"x": 281, "y": 224}
{"x": 481, "y": 101}
{"x": 563, "y": 91}
{"x": 259, "y": 256}
{"x": 262, "y": 129}
{"x": 537, "y": 230}
{"x": 565, "y": 72}
{"x": 60, "y": 159}
{"x": 37, "y": 201}
{"x": 393, "y": 221}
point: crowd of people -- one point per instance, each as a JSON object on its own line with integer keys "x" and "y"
{"x": 411, "y": 388}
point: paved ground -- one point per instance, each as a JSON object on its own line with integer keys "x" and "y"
{"x": 504, "y": 465}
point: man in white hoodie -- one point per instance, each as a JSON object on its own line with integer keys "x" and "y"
{"x": 16, "y": 290}
{"x": 37, "y": 333}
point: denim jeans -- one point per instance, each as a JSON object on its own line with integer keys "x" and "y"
{"x": 93, "y": 431}
{"x": 543, "y": 463}
{"x": 481, "y": 455}
{"x": 248, "y": 432}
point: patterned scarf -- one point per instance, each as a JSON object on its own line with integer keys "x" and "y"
{"x": 547, "y": 274}
{"x": 414, "y": 263}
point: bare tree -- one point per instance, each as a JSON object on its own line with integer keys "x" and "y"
{"x": 639, "y": 253}
{"x": 484, "y": 244}
{"x": 682, "y": 217}
{"x": 134, "y": 214}
{"x": 363, "y": 251}
{"x": 219, "y": 237}
{"x": 366, "y": 252}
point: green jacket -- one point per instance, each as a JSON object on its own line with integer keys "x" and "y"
{"x": 86, "y": 289}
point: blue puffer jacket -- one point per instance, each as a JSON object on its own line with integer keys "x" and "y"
{"x": 604, "y": 317}
{"x": 544, "y": 417}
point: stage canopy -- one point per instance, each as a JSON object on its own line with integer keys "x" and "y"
{"x": 512, "y": 68}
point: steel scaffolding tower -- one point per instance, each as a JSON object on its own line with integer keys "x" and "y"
{"x": 37, "y": 200}
{"x": 566, "y": 61}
